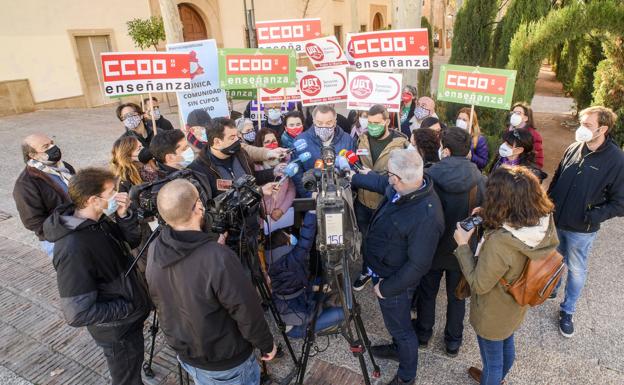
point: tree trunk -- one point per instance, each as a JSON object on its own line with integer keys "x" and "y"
{"x": 407, "y": 14}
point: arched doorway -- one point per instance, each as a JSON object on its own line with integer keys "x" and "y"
{"x": 193, "y": 26}
{"x": 378, "y": 22}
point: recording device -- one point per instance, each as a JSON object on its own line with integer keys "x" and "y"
{"x": 298, "y": 145}
{"x": 352, "y": 158}
{"x": 229, "y": 209}
{"x": 471, "y": 222}
{"x": 303, "y": 157}
{"x": 291, "y": 170}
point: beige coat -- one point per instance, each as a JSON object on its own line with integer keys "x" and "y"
{"x": 494, "y": 314}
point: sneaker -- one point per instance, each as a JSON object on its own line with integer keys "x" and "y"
{"x": 385, "y": 352}
{"x": 361, "y": 282}
{"x": 397, "y": 381}
{"x": 452, "y": 352}
{"x": 566, "y": 326}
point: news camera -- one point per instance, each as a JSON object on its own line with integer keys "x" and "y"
{"x": 229, "y": 210}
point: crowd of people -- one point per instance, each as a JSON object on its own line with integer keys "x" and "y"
{"x": 416, "y": 178}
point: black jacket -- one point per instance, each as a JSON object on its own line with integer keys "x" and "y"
{"x": 161, "y": 124}
{"x": 36, "y": 195}
{"x": 588, "y": 187}
{"x": 453, "y": 178}
{"x": 91, "y": 259}
{"x": 209, "y": 311}
{"x": 402, "y": 236}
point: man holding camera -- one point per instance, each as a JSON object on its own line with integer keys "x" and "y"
{"x": 91, "y": 257}
{"x": 209, "y": 311}
{"x": 398, "y": 250}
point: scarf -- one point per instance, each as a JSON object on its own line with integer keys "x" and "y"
{"x": 60, "y": 172}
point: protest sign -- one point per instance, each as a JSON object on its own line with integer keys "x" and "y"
{"x": 287, "y": 34}
{"x": 243, "y": 68}
{"x": 369, "y": 88}
{"x": 323, "y": 86}
{"x": 250, "y": 94}
{"x": 253, "y": 110}
{"x": 478, "y": 86}
{"x": 290, "y": 94}
{"x": 393, "y": 49}
{"x": 205, "y": 93}
{"x": 126, "y": 73}
{"x": 325, "y": 52}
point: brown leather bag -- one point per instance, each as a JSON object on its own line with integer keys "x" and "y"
{"x": 538, "y": 279}
{"x": 462, "y": 291}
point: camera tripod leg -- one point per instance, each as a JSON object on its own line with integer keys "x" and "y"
{"x": 147, "y": 366}
{"x": 309, "y": 338}
{"x": 356, "y": 346}
{"x": 363, "y": 336}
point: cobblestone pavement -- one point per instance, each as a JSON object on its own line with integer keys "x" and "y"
{"x": 37, "y": 347}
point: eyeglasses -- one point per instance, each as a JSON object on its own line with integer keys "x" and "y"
{"x": 394, "y": 175}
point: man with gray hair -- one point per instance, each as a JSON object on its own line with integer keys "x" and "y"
{"x": 399, "y": 248}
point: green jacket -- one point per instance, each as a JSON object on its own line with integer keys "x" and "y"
{"x": 494, "y": 314}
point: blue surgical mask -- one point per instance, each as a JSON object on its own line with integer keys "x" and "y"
{"x": 112, "y": 206}
{"x": 274, "y": 114}
{"x": 188, "y": 157}
{"x": 156, "y": 113}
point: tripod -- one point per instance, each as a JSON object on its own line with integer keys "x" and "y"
{"x": 358, "y": 343}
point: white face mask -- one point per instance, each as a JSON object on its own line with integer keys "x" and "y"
{"x": 505, "y": 151}
{"x": 515, "y": 120}
{"x": 411, "y": 147}
{"x": 363, "y": 123}
{"x": 461, "y": 124}
{"x": 583, "y": 134}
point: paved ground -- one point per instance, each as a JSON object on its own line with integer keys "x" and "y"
{"x": 37, "y": 347}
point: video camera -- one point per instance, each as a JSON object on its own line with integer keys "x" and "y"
{"x": 229, "y": 210}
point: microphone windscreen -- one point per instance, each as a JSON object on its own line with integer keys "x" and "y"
{"x": 304, "y": 157}
{"x": 291, "y": 170}
{"x": 300, "y": 145}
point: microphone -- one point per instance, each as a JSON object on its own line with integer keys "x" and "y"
{"x": 298, "y": 145}
{"x": 291, "y": 170}
{"x": 303, "y": 157}
{"x": 353, "y": 160}
{"x": 342, "y": 163}
{"x": 319, "y": 164}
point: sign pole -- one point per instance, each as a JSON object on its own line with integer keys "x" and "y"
{"x": 258, "y": 111}
{"x": 470, "y": 120}
{"x": 154, "y": 128}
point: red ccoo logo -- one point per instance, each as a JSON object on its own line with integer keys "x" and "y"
{"x": 310, "y": 85}
{"x": 314, "y": 51}
{"x": 361, "y": 87}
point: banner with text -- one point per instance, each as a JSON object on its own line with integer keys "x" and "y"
{"x": 126, "y": 73}
{"x": 287, "y": 34}
{"x": 369, "y": 88}
{"x": 290, "y": 94}
{"x": 392, "y": 49}
{"x": 325, "y": 52}
{"x": 481, "y": 86}
{"x": 248, "y": 94}
{"x": 205, "y": 93}
{"x": 323, "y": 86}
{"x": 243, "y": 68}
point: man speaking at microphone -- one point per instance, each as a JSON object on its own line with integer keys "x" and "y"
{"x": 374, "y": 149}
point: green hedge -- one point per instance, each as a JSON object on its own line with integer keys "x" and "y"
{"x": 609, "y": 82}
{"x": 472, "y": 33}
{"x": 424, "y": 77}
{"x": 583, "y": 85}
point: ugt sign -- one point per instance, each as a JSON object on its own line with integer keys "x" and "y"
{"x": 287, "y": 34}
{"x": 140, "y": 72}
{"x": 256, "y": 68}
{"x": 487, "y": 87}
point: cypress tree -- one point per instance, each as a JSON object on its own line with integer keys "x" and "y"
{"x": 472, "y": 32}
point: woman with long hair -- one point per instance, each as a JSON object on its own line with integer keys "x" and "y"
{"x": 479, "y": 153}
{"x": 427, "y": 142}
{"x": 126, "y": 166}
{"x": 518, "y": 227}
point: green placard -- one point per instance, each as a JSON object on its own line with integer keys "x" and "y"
{"x": 250, "y": 94}
{"x": 244, "y": 68}
{"x": 479, "y": 86}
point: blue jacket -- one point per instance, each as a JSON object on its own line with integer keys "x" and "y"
{"x": 286, "y": 141}
{"x": 480, "y": 152}
{"x": 402, "y": 237}
{"x": 341, "y": 141}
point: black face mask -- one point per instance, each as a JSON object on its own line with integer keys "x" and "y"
{"x": 54, "y": 154}
{"x": 232, "y": 148}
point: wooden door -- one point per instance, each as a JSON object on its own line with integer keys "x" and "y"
{"x": 193, "y": 27}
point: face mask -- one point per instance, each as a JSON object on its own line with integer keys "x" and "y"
{"x": 132, "y": 122}
{"x": 324, "y": 133}
{"x": 112, "y": 207}
{"x": 293, "y": 240}
{"x": 461, "y": 124}
{"x": 271, "y": 145}
{"x": 376, "y": 130}
{"x": 294, "y": 131}
{"x": 249, "y": 136}
{"x": 411, "y": 147}
{"x": 156, "y": 113}
{"x": 232, "y": 148}
{"x": 406, "y": 97}
{"x": 505, "y": 151}
{"x": 274, "y": 114}
{"x": 420, "y": 113}
{"x": 515, "y": 120}
{"x": 188, "y": 156}
{"x": 363, "y": 123}
{"x": 54, "y": 154}
{"x": 203, "y": 136}
{"x": 583, "y": 134}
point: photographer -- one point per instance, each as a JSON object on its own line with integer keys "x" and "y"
{"x": 209, "y": 312}
{"x": 91, "y": 256}
{"x": 398, "y": 249}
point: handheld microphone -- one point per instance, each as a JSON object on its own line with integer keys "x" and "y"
{"x": 298, "y": 145}
{"x": 353, "y": 160}
{"x": 319, "y": 164}
{"x": 303, "y": 157}
{"x": 291, "y": 170}
{"x": 342, "y": 163}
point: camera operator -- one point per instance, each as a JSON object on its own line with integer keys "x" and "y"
{"x": 209, "y": 312}
{"x": 91, "y": 256}
{"x": 398, "y": 249}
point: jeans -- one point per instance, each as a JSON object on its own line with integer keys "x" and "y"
{"x": 363, "y": 215}
{"x": 330, "y": 316}
{"x": 247, "y": 373}
{"x": 575, "y": 249}
{"x": 125, "y": 358}
{"x": 48, "y": 248}
{"x": 396, "y": 315}
{"x": 426, "y": 304}
{"x": 498, "y": 358}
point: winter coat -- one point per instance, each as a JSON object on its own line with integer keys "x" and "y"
{"x": 340, "y": 141}
{"x": 368, "y": 198}
{"x": 208, "y": 309}
{"x": 588, "y": 187}
{"x": 494, "y": 314}
{"x": 395, "y": 119}
{"x": 91, "y": 259}
{"x": 36, "y": 196}
{"x": 161, "y": 124}
{"x": 480, "y": 152}
{"x": 402, "y": 236}
{"x": 453, "y": 179}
